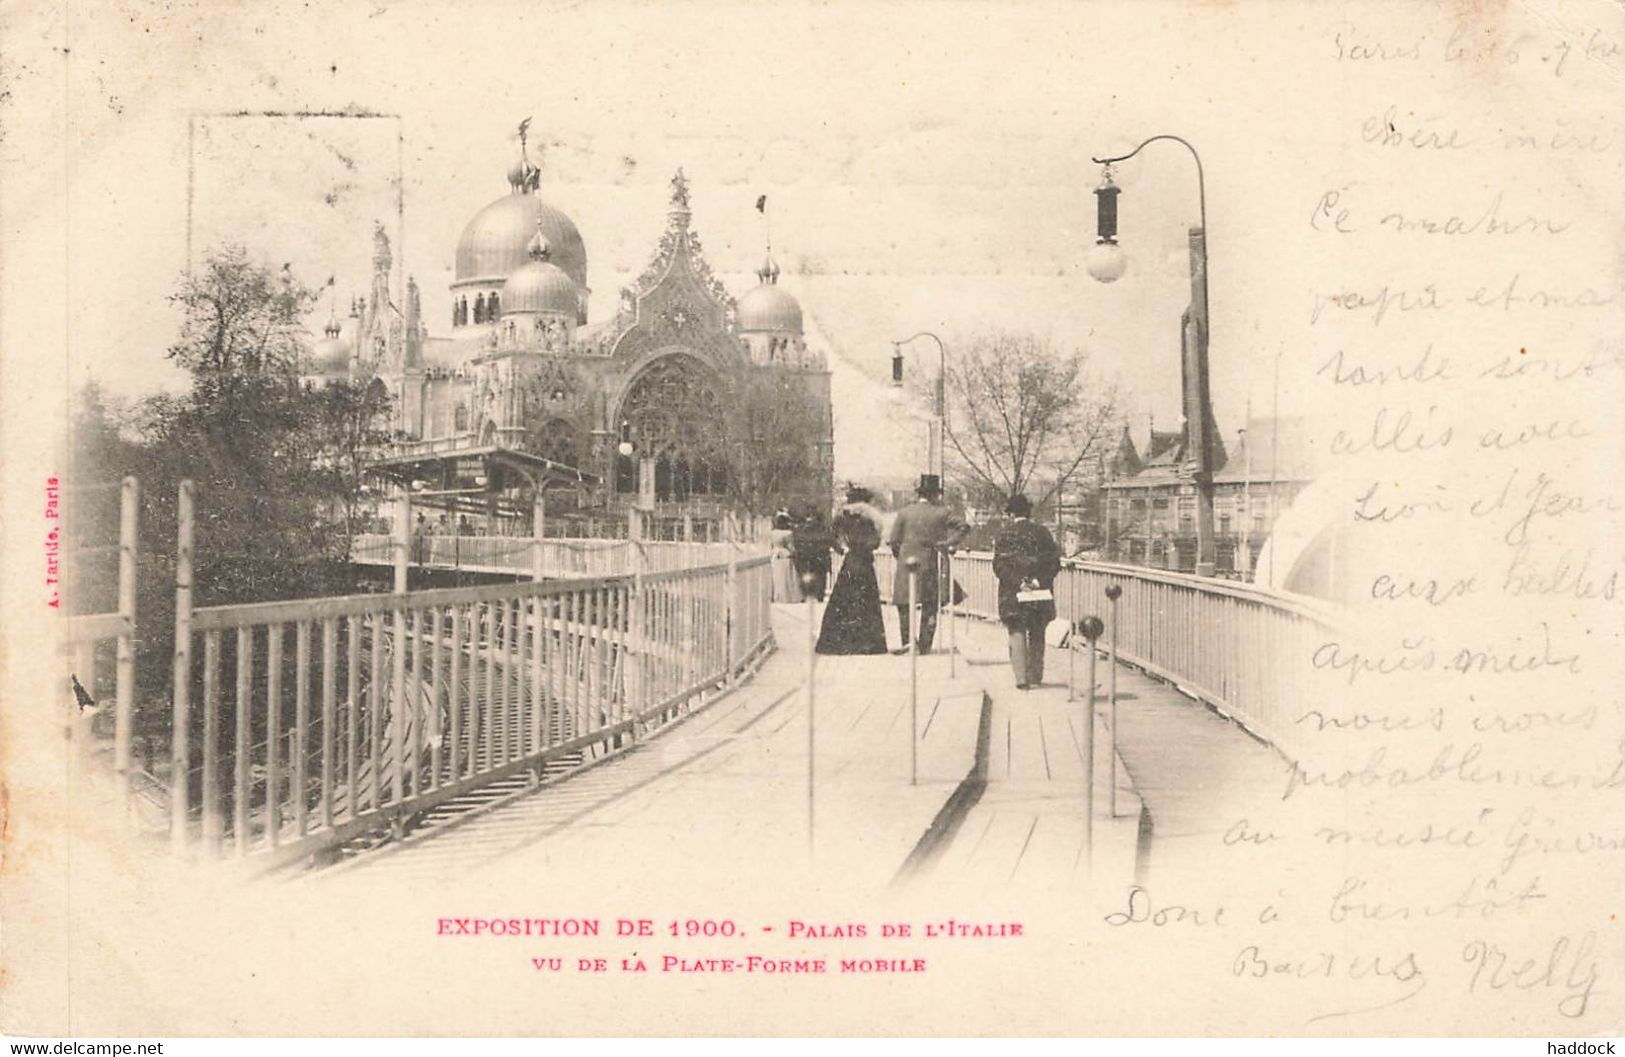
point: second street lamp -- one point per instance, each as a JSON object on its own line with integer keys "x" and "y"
{"x": 939, "y": 420}
{"x": 1107, "y": 264}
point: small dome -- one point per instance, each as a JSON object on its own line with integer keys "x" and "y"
{"x": 494, "y": 243}
{"x": 541, "y": 285}
{"x": 768, "y": 308}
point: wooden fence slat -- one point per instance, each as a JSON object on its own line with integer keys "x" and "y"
{"x": 330, "y": 653}
{"x": 301, "y": 726}
{"x": 273, "y": 733}
{"x": 241, "y": 750}
{"x": 213, "y": 824}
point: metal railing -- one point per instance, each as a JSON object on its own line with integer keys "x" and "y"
{"x": 324, "y": 719}
{"x": 1240, "y": 649}
{"x": 557, "y": 557}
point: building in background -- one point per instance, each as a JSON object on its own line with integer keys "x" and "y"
{"x": 688, "y": 407}
{"x": 1150, "y": 503}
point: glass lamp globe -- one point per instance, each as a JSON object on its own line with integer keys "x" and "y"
{"x": 1107, "y": 262}
{"x": 625, "y": 448}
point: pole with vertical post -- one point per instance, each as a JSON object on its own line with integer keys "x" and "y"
{"x": 538, "y": 524}
{"x": 1089, "y": 768}
{"x": 637, "y": 632}
{"x": 123, "y": 716}
{"x": 1197, "y": 405}
{"x": 1091, "y": 628}
{"x": 179, "y": 742}
{"x": 403, "y": 538}
{"x": 1071, "y": 647}
{"x": 953, "y": 616}
{"x": 730, "y": 619}
{"x": 913, "y": 670}
{"x": 1113, "y": 593}
{"x": 812, "y": 655}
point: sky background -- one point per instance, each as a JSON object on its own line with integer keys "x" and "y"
{"x": 926, "y": 166}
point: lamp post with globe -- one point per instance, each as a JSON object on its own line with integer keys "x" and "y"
{"x": 634, "y": 510}
{"x": 937, "y": 437}
{"x": 1107, "y": 263}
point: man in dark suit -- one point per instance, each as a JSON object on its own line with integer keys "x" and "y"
{"x": 922, "y": 531}
{"x": 1026, "y": 560}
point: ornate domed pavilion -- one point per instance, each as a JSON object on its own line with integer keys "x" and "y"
{"x": 653, "y": 420}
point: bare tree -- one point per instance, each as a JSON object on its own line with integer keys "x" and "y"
{"x": 772, "y": 436}
{"x": 1023, "y": 414}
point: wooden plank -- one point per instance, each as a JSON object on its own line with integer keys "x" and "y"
{"x": 301, "y": 724}
{"x": 454, "y": 699}
{"x": 330, "y": 652}
{"x": 352, "y": 711}
{"x": 375, "y": 711}
{"x": 538, "y": 732}
{"x": 93, "y": 627}
{"x": 213, "y": 824}
{"x": 413, "y": 712}
{"x": 240, "y": 751}
{"x": 273, "y": 732}
{"x": 397, "y": 696}
{"x": 491, "y": 717}
{"x": 437, "y": 647}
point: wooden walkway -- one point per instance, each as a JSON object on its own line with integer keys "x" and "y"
{"x": 1194, "y": 773}
{"x": 721, "y": 799}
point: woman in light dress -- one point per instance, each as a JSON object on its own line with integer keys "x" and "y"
{"x": 786, "y": 585}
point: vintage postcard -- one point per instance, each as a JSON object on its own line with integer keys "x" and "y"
{"x": 862, "y": 519}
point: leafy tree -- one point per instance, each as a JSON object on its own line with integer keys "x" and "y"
{"x": 276, "y": 464}
{"x": 240, "y": 318}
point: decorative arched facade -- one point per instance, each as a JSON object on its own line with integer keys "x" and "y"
{"x": 675, "y": 414}
{"x": 661, "y": 375}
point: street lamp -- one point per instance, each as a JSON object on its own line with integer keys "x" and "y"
{"x": 1107, "y": 264}
{"x": 1106, "y": 260}
{"x": 939, "y": 421}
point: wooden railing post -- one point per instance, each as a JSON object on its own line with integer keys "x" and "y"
{"x": 123, "y": 716}
{"x": 730, "y": 619}
{"x": 538, "y": 524}
{"x": 179, "y": 743}
{"x": 637, "y": 665}
{"x": 403, "y": 538}
{"x": 397, "y": 682}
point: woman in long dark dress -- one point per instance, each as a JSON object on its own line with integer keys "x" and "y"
{"x": 810, "y": 544}
{"x": 852, "y": 620}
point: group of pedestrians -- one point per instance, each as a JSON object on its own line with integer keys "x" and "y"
{"x": 921, "y": 536}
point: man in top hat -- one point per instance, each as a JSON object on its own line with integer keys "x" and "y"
{"x": 922, "y": 531}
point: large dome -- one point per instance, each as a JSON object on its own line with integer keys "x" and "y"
{"x": 768, "y": 308}
{"x": 495, "y": 242}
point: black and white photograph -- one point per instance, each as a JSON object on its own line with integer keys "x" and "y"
{"x": 874, "y": 519}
